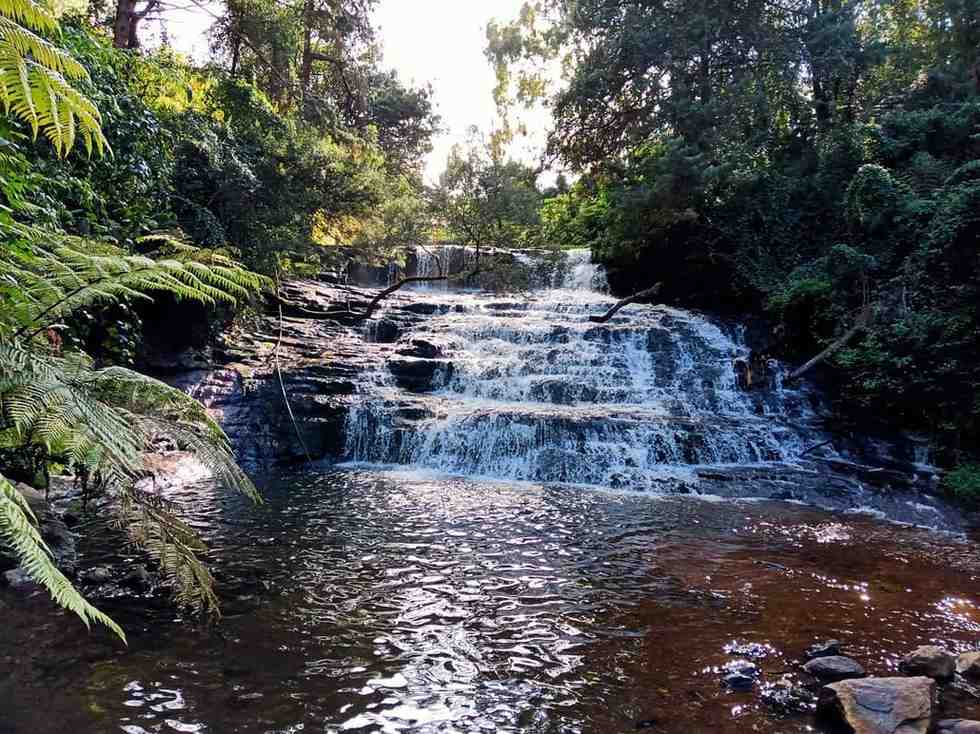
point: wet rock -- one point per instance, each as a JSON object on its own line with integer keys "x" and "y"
{"x": 739, "y": 682}
{"x": 420, "y": 375}
{"x": 823, "y": 649}
{"x": 138, "y": 579}
{"x": 930, "y": 661}
{"x": 16, "y": 578}
{"x": 751, "y": 650}
{"x": 880, "y": 705}
{"x": 968, "y": 664}
{"x": 834, "y": 668}
{"x": 423, "y": 308}
{"x": 97, "y": 575}
{"x": 385, "y": 331}
{"x": 785, "y": 698}
{"x": 957, "y": 726}
{"x": 422, "y": 349}
{"x": 740, "y": 675}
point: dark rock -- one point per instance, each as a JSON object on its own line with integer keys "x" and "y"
{"x": 751, "y": 650}
{"x": 96, "y": 575}
{"x": 834, "y": 668}
{"x": 930, "y": 661}
{"x": 138, "y": 579}
{"x": 740, "y": 675}
{"x": 423, "y": 308}
{"x": 385, "y": 331}
{"x": 786, "y": 698}
{"x": 968, "y": 664}
{"x": 739, "y": 682}
{"x": 957, "y": 726}
{"x": 880, "y": 705}
{"x": 422, "y": 349}
{"x": 823, "y": 649}
{"x": 420, "y": 375}
{"x": 17, "y": 578}
{"x": 647, "y": 723}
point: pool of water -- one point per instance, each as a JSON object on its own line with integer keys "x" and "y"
{"x": 394, "y": 601}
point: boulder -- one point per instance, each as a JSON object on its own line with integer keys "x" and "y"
{"x": 880, "y": 705}
{"x": 834, "y": 668}
{"x": 957, "y": 726}
{"x": 968, "y": 664}
{"x": 930, "y": 661}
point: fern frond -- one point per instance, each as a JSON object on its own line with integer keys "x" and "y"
{"x": 72, "y": 273}
{"x": 30, "y": 14}
{"x": 155, "y": 529}
{"x": 35, "y": 78}
{"x": 19, "y": 533}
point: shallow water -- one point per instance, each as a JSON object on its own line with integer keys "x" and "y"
{"x": 398, "y": 601}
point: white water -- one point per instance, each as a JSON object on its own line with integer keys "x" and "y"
{"x": 537, "y": 392}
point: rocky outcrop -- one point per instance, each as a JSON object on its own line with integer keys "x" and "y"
{"x": 929, "y": 661}
{"x": 834, "y": 668}
{"x": 315, "y": 356}
{"x": 880, "y": 705}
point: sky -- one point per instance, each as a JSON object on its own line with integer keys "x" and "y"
{"x": 426, "y": 41}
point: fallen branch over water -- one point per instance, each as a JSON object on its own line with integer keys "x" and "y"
{"x": 862, "y": 322}
{"x": 648, "y": 293}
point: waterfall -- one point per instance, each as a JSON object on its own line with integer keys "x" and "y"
{"x": 527, "y": 388}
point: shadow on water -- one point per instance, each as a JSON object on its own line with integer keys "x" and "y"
{"x": 365, "y": 600}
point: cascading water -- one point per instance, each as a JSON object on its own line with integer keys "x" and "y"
{"x": 528, "y": 388}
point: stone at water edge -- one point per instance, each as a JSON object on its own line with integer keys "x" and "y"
{"x": 740, "y": 675}
{"x": 957, "y": 726}
{"x": 968, "y": 664}
{"x": 880, "y": 705}
{"x": 930, "y": 661}
{"x": 834, "y": 668}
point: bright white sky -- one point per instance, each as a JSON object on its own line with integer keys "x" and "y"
{"x": 436, "y": 41}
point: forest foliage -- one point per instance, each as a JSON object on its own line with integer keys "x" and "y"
{"x": 801, "y": 158}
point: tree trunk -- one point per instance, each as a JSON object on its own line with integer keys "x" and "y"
{"x": 648, "y": 293}
{"x": 306, "y": 70}
{"x": 123, "y": 29}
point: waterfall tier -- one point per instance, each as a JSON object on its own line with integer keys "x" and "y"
{"x": 528, "y": 388}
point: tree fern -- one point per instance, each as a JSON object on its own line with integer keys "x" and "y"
{"x": 36, "y": 76}
{"x": 19, "y": 531}
{"x": 104, "y": 421}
